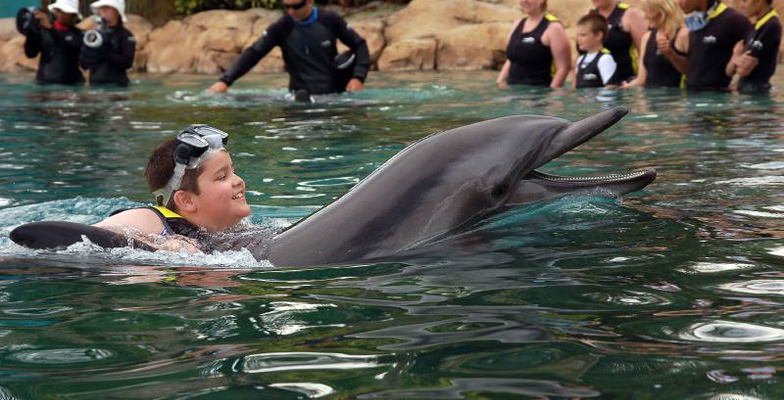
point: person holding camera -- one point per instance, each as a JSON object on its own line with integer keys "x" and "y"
{"x": 109, "y": 50}
{"x": 308, "y": 38}
{"x": 57, "y": 42}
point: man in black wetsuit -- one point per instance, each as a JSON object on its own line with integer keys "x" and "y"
{"x": 57, "y": 42}
{"x": 714, "y": 31}
{"x": 307, "y": 36}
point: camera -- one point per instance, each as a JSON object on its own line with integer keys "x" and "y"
{"x": 95, "y": 38}
{"x": 26, "y": 22}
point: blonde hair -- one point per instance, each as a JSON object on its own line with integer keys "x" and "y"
{"x": 670, "y": 15}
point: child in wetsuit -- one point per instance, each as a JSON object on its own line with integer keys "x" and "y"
{"x": 108, "y": 62}
{"x": 57, "y": 42}
{"x": 597, "y": 67}
{"x": 196, "y": 190}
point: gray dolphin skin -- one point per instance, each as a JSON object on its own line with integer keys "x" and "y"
{"x": 444, "y": 182}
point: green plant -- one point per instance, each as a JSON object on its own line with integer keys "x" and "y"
{"x": 194, "y": 6}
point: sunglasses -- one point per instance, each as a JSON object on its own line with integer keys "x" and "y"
{"x": 295, "y": 6}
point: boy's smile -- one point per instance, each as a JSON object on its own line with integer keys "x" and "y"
{"x": 221, "y": 201}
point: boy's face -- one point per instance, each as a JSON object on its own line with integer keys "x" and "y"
{"x": 221, "y": 202}
{"x": 588, "y": 40}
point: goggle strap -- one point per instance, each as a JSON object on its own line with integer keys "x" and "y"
{"x": 163, "y": 195}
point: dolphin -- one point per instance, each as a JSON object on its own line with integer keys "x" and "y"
{"x": 445, "y": 182}
{"x": 426, "y": 192}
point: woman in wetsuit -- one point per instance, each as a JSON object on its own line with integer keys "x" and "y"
{"x": 665, "y": 19}
{"x": 109, "y": 62}
{"x": 537, "y": 52}
{"x": 627, "y": 26}
{"x": 755, "y": 59}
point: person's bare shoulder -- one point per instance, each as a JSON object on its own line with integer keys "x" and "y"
{"x": 143, "y": 220}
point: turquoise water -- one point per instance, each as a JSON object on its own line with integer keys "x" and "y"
{"x": 670, "y": 293}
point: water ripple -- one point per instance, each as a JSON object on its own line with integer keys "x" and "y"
{"x": 759, "y": 286}
{"x": 302, "y": 361}
{"x": 61, "y": 356}
{"x": 460, "y": 386}
{"x": 713, "y": 267}
{"x": 732, "y": 332}
{"x": 309, "y": 389}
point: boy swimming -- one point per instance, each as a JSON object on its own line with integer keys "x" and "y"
{"x": 196, "y": 190}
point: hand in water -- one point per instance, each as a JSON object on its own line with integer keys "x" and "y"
{"x": 218, "y": 87}
{"x": 354, "y": 85}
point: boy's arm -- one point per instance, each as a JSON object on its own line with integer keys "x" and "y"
{"x": 140, "y": 219}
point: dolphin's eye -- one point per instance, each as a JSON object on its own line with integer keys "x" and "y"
{"x": 500, "y": 190}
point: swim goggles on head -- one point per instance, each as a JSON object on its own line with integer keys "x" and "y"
{"x": 194, "y": 144}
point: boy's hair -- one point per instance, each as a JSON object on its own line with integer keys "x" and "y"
{"x": 595, "y": 22}
{"x": 160, "y": 169}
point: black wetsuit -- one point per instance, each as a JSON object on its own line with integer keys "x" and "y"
{"x": 109, "y": 63}
{"x": 173, "y": 223}
{"x": 661, "y": 72}
{"x": 309, "y": 49}
{"x": 763, "y": 44}
{"x": 711, "y": 48}
{"x": 531, "y": 62}
{"x": 589, "y": 76}
{"x": 621, "y": 45}
{"x": 59, "y": 49}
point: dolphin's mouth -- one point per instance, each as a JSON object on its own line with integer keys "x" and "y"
{"x": 626, "y": 177}
{"x": 538, "y": 186}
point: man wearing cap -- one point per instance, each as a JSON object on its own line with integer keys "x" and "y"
{"x": 109, "y": 60}
{"x": 307, "y": 36}
{"x": 57, "y": 42}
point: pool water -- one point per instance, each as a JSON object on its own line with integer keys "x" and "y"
{"x": 674, "y": 292}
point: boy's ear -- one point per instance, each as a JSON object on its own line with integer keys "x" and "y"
{"x": 183, "y": 199}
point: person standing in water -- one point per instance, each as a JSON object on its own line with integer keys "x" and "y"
{"x": 665, "y": 19}
{"x": 596, "y": 67}
{"x": 109, "y": 60}
{"x": 307, "y": 36}
{"x": 537, "y": 52}
{"x": 714, "y": 31}
{"x": 57, "y": 42}
{"x": 624, "y": 38}
{"x": 755, "y": 59}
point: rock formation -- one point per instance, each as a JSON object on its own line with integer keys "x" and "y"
{"x": 424, "y": 35}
